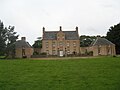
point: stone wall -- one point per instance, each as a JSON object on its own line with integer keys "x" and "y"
{"x": 104, "y": 50}
{"x": 28, "y": 52}
{"x": 54, "y": 46}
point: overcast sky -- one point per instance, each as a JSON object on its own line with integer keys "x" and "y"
{"x": 93, "y": 17}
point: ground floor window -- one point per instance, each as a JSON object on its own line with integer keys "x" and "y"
{"x": 23, "y": 52}
{"x": 74, "y": 53}
{"x": 108, "y": 50}
{"x": 47, "y": 51}
{"x": 54, "y": 52}
{"x": 68, "y": 52}
{"x": 99, "y": 50}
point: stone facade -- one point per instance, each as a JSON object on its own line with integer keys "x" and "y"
{"x": 107, "y": 50}
{"x": 19, "y": 53}
{"x": 23, "y": 49}
{"x": 61, "y": 42}
{"x": 37, "y": 51}
{"x": 100, "y": 47}
{"x": 67, "y": 42}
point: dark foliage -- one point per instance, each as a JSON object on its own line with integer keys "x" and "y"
{"x": 3, "y": 38}
{"x": 7, "y": 38}
{"x": 38, "y": 43}
{"x": 86, "y": 41}
{"x": 114, "y": 36}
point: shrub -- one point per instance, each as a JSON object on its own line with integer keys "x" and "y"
{"x": 44, "y": 53}
{"x": 35, "y": 53}
{"x": 114, "y": 55}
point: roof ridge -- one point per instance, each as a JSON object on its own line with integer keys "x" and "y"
{"x": 62, "y": 31}
{"x": 95, "y": 41}
{"x": 69, "y": 35}
{"x": 51, "y": 31}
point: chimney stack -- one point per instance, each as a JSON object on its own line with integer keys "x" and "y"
{"x": 43, "y": 29}
{"x": 60, "y": 28}
{"x": 76, "y": 29}
{"x": 23, "y": 38}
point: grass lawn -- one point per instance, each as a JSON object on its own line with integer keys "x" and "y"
{"x": 74, "y": 74}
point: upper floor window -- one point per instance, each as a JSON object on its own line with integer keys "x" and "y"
{"x": 61, "y": 44}
{"x": 53, "y": 44}
{"x": 58, "y": 36}
{"x": 54, "y": 52}
{"x": 75, "y": 50}
{"x": 47, "y": 51}
{"x": 63, "y": 36}
{"x": 68, "y": 52}
{"x": 47, "y": 44}
{"x": 74, "y": 44}
{"x": 68, "y": 44}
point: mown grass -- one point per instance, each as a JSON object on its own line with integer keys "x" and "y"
{"x": 73, "y": 74}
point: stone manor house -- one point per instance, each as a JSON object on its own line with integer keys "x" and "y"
{"x": 61, "y": 42}
{"x": 64, "y": 43}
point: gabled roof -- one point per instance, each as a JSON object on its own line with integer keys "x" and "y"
{"x": 22, "y": 43}
{"x": 101, "y": 41}
{"x": 52, "y": 35}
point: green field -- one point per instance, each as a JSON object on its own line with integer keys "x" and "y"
{"x": 73, "y": 74}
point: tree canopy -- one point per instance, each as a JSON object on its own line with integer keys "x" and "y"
{"x": 114, "y": 36}
{"x": 7, "y": 37}
{"x": 3, "y": 38}
{"x": 85, "y": 41}
{"x": 38, "y": 43}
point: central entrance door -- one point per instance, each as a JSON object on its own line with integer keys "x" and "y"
{"x": 61, "y": 53}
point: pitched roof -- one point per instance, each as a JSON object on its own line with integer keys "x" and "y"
{"x": 101, "y": 41}
{"x": 22, "y": 43}
{"x": 52, "y": 35}
{"x": 71, "y": 35}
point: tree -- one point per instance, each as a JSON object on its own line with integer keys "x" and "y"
{"x": 7, "y": 38}
{"x": 114, "y": 36}
{"x": 11, "y": 35}
{"x": 11, "y": 39}
{"x": 38, "y": 43}
{"x": 3, "y": 38}
{"x": 86, "y": 41}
